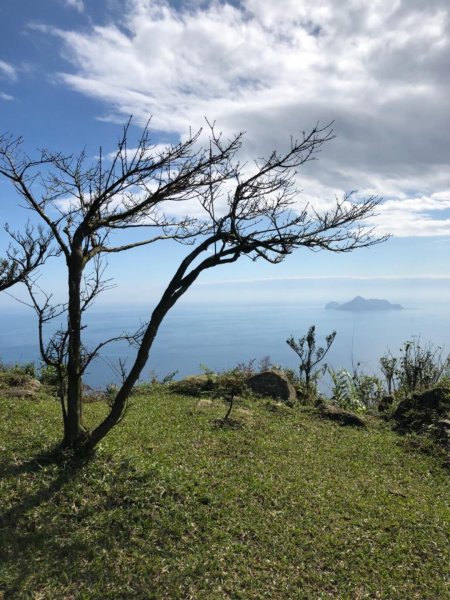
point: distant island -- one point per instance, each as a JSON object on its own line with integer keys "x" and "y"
{"x": 359, "y": 303}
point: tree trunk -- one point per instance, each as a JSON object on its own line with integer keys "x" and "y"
{"x": 230, "y": 408}
{"x": 118, "y": 408}
{"x": 75, "y": 434}
{"x": 179, "y": 284}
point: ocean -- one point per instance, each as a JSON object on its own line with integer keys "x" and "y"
{"x": 219, "y": 336}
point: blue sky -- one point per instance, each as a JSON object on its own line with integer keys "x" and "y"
{"x": 72, "y": 71}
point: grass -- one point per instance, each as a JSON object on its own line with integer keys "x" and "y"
{"x": 173, "y": 506}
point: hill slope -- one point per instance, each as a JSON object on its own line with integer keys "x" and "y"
{"x": 172, "y": 506}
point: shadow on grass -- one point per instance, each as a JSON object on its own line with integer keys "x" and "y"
{"x": 51, "y": 456}
{"x": 68, "y": 518}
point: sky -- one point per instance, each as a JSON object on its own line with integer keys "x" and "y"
{"x": 73, "y": 71}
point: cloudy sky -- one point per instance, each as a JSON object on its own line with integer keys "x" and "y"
{"x": 72, "y": 71}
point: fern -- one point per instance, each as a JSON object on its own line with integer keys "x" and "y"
{"x": 345, "y": 391}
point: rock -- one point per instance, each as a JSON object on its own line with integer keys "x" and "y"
{"x": 205, "y": 403}
{"x": 21, "y": 380}
{"x": 20, "y": 385}
{"x": 274, "y": 384}
{"x": 420, "y": 410}
{"x": 345, "y": 417}
{"x": 193, "y": 385}
{"x": 278, "y": 407}
{"x": 34, "y": 385}
{"x": 442, "y": 432}
{"x": 385, "y": 403}
{"x": 16, "y": 392}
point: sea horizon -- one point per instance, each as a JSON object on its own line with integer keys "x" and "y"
{"x": 221, "y": 335}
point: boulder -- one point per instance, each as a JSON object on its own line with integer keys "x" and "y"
{"x": 274, "y": 384}
{"x": 18, "y": 385}
{"x": 193, "y": 385}
{"x": 16, "y": 392}
{"x": 385, "y": 403}
{"x": 420, "y": 410}
{"x": 21, "y": 380}
{"x": 344, "y": 417}
{"x": 442, "y": 432}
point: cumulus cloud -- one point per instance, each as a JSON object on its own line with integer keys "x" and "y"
{"x": 420, "y": 216}
{"x": 379, "y": 69}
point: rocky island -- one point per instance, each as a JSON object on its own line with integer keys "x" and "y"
{"x": 360, "y": 303}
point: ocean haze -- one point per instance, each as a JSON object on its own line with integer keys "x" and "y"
{"x": 221, "y": 334}
{"x": 409, "y": 291}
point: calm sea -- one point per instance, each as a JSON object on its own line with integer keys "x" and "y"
{"x": 220, "y": 336}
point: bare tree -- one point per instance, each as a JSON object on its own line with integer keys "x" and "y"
{"x": 247, "y": 211}
{"x": 27, "y": 252}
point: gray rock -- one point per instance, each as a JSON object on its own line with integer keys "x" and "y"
{"x": 420, "y": 410}
{"x": 385, "y": 403}
{"x": 274, "y": 384}
{"x": 17, "y": 392}
{"x": 442, "y": 432}
{"x": 345, "y": 417}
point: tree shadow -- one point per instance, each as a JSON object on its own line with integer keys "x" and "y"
{"x": 16, "y": 521}
{"x": 50, "y": 456}
{"x": 43, "y": 529}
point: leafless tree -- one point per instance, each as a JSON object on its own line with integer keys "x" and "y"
{"x": 248, "y": 210}
{"x": 27, "y": 252}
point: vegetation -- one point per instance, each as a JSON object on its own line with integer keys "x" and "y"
{"x": 418, "y": 367}
{"x": 170, "y": 506}
{"x": 310, "y": 356}
{"x": 95, "y": 209}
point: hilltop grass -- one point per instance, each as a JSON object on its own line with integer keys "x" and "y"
{"x": 173, "y": 506}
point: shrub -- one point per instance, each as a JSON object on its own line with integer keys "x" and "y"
{"x": 49, "y": 376}
{"x": 357, "y": 392}
{"x": 310, "y": 356}
{"x": 419, "y": 366}
{"x": 369, "y": 389}
{"x": 388, "y": 365}
{"x": 168, "y": 378}
{"x": 17, "y": 375}
{"x": 345, "y": 393}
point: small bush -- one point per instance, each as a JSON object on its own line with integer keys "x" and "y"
{"x": 357, "y": 392}
{"x": 168, "y": 378}
{"x": 345, "y": 393}
{"x": 419, "y": 367}
{"x": 310, "y": 356}
{"x": 18, "y": 370}
{"x": 49, "y": 376}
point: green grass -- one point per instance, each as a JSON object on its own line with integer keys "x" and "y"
{"x": 172, "y": 506}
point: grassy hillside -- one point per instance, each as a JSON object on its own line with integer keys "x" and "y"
{"x": 172, "y": 506}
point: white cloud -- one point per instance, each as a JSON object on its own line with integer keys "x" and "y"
{"x": 416, "y": 217}
{"x": 7, "y": 70}
{"x": 76, "y": 4}
{"x": 380, "y": 69}
{"x": 6, "y": 97}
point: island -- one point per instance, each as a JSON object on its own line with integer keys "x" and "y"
{"x": 360, "y": 303}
